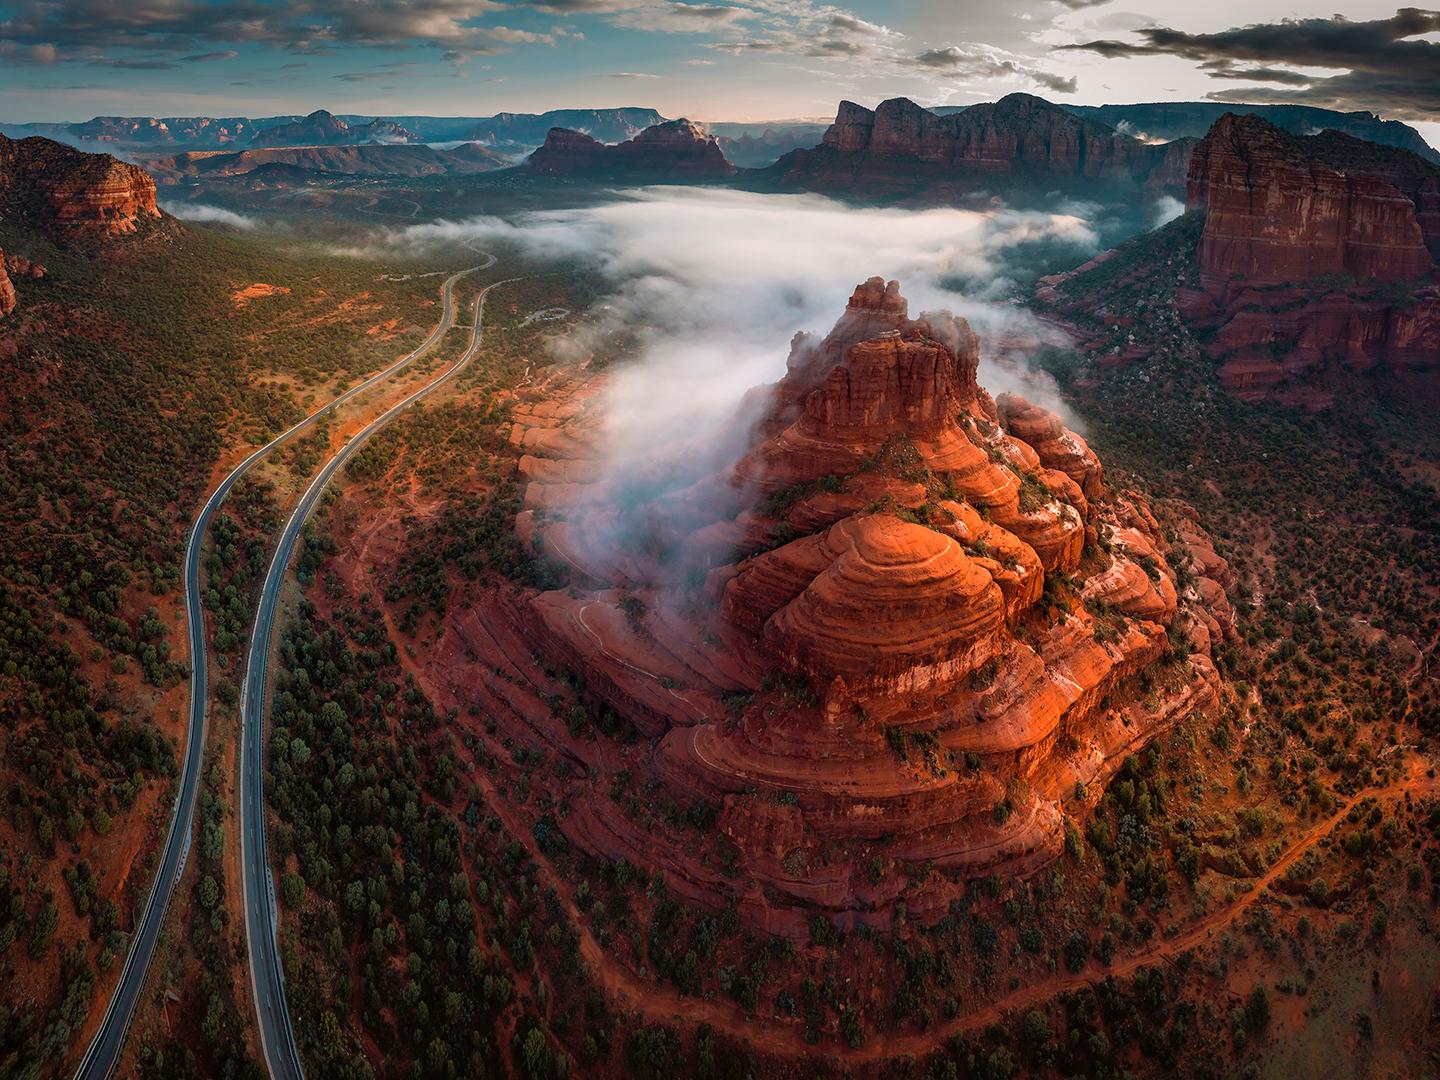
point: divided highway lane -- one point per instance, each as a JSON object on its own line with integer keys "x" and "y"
{"x": 267, "y": 978}
{"x": 102, "y": 1057}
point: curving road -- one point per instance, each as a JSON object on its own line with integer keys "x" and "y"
{"x": 267, "y": 978}
{"x": 102, "y": 1057}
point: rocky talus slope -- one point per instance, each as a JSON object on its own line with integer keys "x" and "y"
{"x": 906, "y": 628}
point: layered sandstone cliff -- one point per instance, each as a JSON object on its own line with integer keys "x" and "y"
{"x": 1277, "y": 214}
{"x": 70, "y": 194}
{"x": 1020, "y": 137}
{"x": 1308, "y": 262}
{"x": 674, "y": 149}
{"x": 903, "y": 627}
{"x": 1299, "y": 234}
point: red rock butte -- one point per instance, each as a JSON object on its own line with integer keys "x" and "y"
{"x": 910, "y": 627}
{"x": 70, "y": 194}
{"x": 1281, "y": 210}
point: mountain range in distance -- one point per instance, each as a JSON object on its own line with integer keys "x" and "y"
{"x": 745, "y": 145}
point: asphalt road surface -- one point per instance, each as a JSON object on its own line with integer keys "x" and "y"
{"x": 102, "y": 1057}
{"x": 267, "y": 978}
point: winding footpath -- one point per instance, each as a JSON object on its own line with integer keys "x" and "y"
{"x": 102, "y": 1056}
{"x": 662, "y": 1003}
{"x": 267, "y": 977}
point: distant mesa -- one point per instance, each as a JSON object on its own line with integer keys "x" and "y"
{"x": 322, "y": 128}
{"x": 71, "y": 195}
{"x": 906, "y": 629}
{"x": 288, "y": 166}
{"x": 531, "y": 129}
{"x": 675, "y": 149}
{"x": 900, "y": 147}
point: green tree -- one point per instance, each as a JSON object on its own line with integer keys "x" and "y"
{"x": 292, "y": 889}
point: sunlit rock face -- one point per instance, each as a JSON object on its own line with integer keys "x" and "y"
{"x": 71, "y": 194}
{"x": 906, "y": 625}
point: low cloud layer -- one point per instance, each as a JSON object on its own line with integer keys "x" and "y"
{"x": 209, "y": 215}
{"x": 715, "y": 283}
{"x": 1386, "y": 65}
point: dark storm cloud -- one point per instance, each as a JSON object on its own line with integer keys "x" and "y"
{"x": 1384, "y": 69}
{"x": 979, "y": 62}
{"x": 42, "y": 31}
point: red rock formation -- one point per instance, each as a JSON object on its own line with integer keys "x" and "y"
{"x": 1282, "y": 211}
{"x": 1020, "y": 136}
{"x": 1266, "y": 341}
{"x": 1275, "y": 214}
{"x": 70, "y": 194}
{"x": 873, "y": 571}
{"x": 7, "y": 290}
{"x": 1313, "y": 265}
{"x": 676, "y": 148}
{"x": 20, "y": 267}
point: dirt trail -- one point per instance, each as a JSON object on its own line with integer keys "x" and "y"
{"x": 661, "y": 1003}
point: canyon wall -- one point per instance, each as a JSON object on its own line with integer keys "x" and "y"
{"x": 1317, "y": 259}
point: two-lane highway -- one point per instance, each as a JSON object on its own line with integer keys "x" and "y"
{"x": 267, "y": 978}
{"x": 102, "y": 1056}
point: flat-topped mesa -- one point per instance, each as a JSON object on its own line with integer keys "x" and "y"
{"x": 567, "y": 151}
{"x": 1280, "y": 211}
{"x": 672, "y": 148}
{"x": 72, "y": 194}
